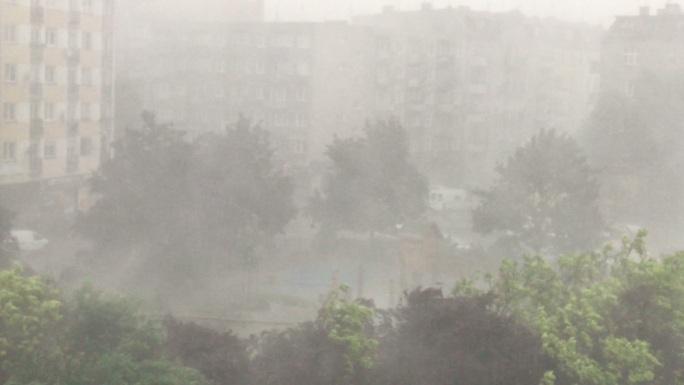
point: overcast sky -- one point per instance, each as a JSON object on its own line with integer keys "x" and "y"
{"x": 592, "y": 11}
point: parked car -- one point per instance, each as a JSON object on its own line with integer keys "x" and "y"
{"x": 28, "y": 240}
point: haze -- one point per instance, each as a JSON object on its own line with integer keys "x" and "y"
{"x": 591, "y": 11}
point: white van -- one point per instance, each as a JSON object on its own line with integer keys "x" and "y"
{"x": 28, "y": 240}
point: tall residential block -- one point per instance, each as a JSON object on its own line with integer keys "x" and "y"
{"x": 303, "y": 82}
{"x": 472, "y": 86}
{"x": 636, "y": 45}
{"x": 56, "y": 91}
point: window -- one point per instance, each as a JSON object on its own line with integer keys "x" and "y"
{"x": 259, "y": 93}
{"x": 9, "y": 112}
{"x": 10, "y": 73}
{"x": 49, "y": 111}
{"x": 261, "y": 41}
{"x": 50, "y": 74}
{"x": 629, "y": 89}
{"x": 9, "y": 151}
{"x": 73, "y": 5}
{"x": 73, "y": 38}
{"x": 220, "y": 66}
{"x": 299, "y": 146}
{"x": 49, "y": 150}
{"x": 36, "y": 35}
{"x": 631, "y": 57}
{"x": 10, "y": 33}
{"x": 86, "y": 76}
{"x": 303, "y": 69}
{"x": 87, "y": 41}
{"x": 85, "y": 111}
{"x": 302, "y": 94}
{"x": 304, "y": 42}
{"x": 285, "y": 41}
{"x": 51, "y": 36}
{"x": 35, "y": 110}
{"x": 35, "y": 73}
{"x": 86, "y": 146}
{"x": 51, "y": 3}
{"x": 260, "y": 67}
{"x": 87, "y": 5}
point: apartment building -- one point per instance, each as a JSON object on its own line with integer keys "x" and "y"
{"x": 639, "y": 52}
{"x": 472, "y": 86}
{"x": 56, "y": 91}
{"x": 469, "y": 86}
{"x": 303, "y": 82}
{"x": 635, "y": 45}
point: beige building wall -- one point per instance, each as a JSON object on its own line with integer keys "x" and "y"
{"x": 56, "y": 59}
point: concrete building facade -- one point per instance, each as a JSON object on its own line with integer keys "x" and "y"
{"x": 469, "y": 86}
{"x": 472, "y": 86}
{"x": 56, "y": 91}
{"x": 303, "y": 82}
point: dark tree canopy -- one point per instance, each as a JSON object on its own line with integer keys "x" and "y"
{"x": 642, "y": 138}
{"x": 545, "y": 197}
{"x": 371, "y": 185}
{"x": 441, "y": 340}
{"x": 186, "y": 206}
{"x": 8, "y": 246}
{"x": 143, "y": 189}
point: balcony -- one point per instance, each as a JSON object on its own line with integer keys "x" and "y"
{"x": 73, "y": 129}
{"x": 37, "y": 14}
{"x": 73, "y": 93}
{"x": 36, "y": 129}
{"x": 37, "y": 53}
{"x": 74, "y": 18}
{"x": 36, "y": 90}
{"x": 35, "y": 166}
{"x": 72, "y": 164}
{"x": 73, "y": 56}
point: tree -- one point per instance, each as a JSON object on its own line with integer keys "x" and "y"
{"x": 337, "y": 348}
{"x": 442, "y": 340}
{"x": 221, "y": 357}
{"x": 579, "y": 309}
{"x": 182, "y": 209}
{"x": 8, "y": 245}
{"x": 30, "y": 311}
{"x": 110, "y": 341}
{"x": 243, "y": 195}
{"x": 545, "y": 198}
{"x": 371, "y": 184}
{"x": 641, "y": 138}
{"x": 143, "y": 190}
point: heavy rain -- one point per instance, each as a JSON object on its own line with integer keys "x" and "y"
{"x": 342, "y": 192}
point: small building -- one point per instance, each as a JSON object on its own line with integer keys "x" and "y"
{"x": 445, "y": 198}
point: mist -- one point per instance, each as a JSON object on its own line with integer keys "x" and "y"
{"x": 340, "y": 192}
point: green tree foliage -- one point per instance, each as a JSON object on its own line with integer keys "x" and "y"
{"x": 545, "y": 198}
{"x": 603, "y": 318}
{"x": 641, "y": 137}
{"x": 445, "y": 340}
{"x": 372, "y": 185}
{"x": 346, "y": 325}
{"x": 337, "y": 348}
{"x": 30, "y": 310}
{"x": 110, "y": 342}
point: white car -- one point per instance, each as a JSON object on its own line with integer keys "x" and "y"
{"x": 28, "y": 240}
